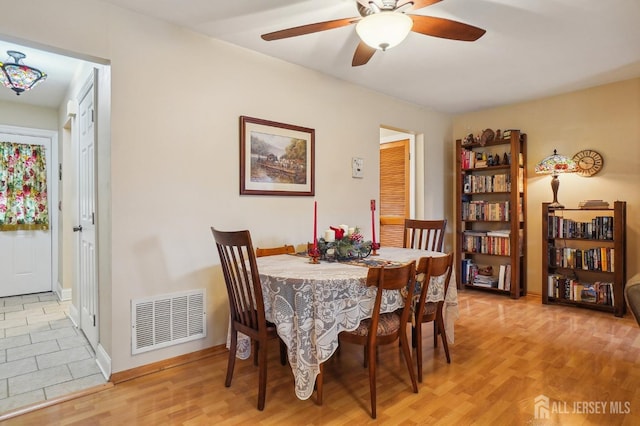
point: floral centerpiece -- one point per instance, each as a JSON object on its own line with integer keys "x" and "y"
{"x": 347, "y": 243}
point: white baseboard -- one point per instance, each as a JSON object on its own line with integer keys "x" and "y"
{"x": 63, "y": 293}
{"x": 104, "y": 362}
{"x": 74, "y": 315}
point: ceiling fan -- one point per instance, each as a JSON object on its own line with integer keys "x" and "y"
{"x": 383, "y": 24}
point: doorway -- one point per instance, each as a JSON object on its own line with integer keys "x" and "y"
{"x": 396, "y": 184}
{"x": 28, "y": 256}
{"x": 71, "y": 73}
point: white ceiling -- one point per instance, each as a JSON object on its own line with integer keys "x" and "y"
{"x": 532, "y": 48}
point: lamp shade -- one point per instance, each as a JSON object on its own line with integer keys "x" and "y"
{"x": 555, "y": 164}
{"x": 384, "y": 30}
{"x": 18, "y": 76}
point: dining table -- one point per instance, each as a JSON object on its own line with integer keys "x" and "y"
{"x": 311, "y": 303}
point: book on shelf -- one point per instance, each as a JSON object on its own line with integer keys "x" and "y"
{"x": 502, "y": 275}
{"x": 588, "y": 293}
{"x": 593, "y": 204}
{"x": 504, "y": 233}
{"x": 507, "y": 278}
{"x": 485, "y": 281}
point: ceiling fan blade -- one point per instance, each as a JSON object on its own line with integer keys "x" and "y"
{"x": 310, "y": 28}
{"x": 445, "y": 28}
{"x": 417, "y": 4}
{"x": 363, "y": 53}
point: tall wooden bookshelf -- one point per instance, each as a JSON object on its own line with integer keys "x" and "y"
{"x": 491, "y": 215}
{"x": 583, "y": 257}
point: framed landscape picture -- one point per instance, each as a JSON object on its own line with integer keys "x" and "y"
{"x": 276, "y": 158}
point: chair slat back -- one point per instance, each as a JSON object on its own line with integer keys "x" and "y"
{"x": 424, "y": 234}
{"x": 272, "y": 251}
{"x": 395, "y": 278}
{"x": 433, "y": 267}
{"x": 242, "y": 280}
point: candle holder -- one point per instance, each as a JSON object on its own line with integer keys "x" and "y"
{"x": 314, "y": 254}
{"x": 374, "y": 248}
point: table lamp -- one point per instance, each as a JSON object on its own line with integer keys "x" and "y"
{"x": 554, "y": 165}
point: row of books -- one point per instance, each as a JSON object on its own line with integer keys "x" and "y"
{"x": 469, "y": 275}
{"x": 485, "y": 210}
{"x": 592, "y": 259}
{"x": 487, "y": 242}
{"x": 491, "y": 183}
{"x": 598, "y": 228}
{"x": 470, "y": 159}
{"x": 598, "y": 292}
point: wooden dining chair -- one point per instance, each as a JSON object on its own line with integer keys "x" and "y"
{"x": 272, "y": 251}
{"x": 246, "y": 304}
{"x": 430, "y": 268}
{"x": 385, "y": 328}
{"x": 424, "y": 234}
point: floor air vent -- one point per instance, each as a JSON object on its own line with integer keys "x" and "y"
{"x": 166, "y": 320}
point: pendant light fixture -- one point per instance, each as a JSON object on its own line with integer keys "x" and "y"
{"x": 18, "y": 76}
{"x": 384, "y": 30}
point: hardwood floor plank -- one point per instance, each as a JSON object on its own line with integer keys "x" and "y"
{"x": 506, "y": 353}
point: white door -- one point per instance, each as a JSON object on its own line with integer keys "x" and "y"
{"x": 87, "y": 270}
{"x": 26, "y": 255}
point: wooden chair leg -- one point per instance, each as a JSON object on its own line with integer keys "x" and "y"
{"x": 414, "y": 339}
{"x": 232, "y": 357}
{"x": 262, "y": 376}
{"x": 435, "y": 334}
{"x": 365, "y": 358}
{"x": 417, "y": 331}
{"x": 283, "y": 352}
{"x": 440, "y": 324}
{"x": 319, "y": 384}
{"x": 407, "y": 358}
{"x": 371, "y": 355}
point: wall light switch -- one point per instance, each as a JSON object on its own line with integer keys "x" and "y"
{"x": 357, "y": 167}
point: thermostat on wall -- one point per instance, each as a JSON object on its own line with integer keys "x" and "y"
{"x": 357, "y": 167}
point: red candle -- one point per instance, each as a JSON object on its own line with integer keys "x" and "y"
{"x": 315, "y": 225}
{"x": 373, "y": 221}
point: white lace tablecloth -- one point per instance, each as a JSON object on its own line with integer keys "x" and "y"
{"x": 310, "y": 304}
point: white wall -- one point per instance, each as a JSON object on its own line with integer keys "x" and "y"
{"x": 20, "y": 115}
{"x": 175, "y": 153}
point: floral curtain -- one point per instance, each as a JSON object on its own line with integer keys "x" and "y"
{"x": 23, "y": 187}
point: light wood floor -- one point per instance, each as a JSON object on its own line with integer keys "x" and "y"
{"x": 507, "y": 352}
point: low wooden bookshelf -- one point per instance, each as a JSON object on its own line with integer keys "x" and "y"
{"x": 583, "y": 257}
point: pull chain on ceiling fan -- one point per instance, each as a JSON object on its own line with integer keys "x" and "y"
{"x": 385, "y": 24}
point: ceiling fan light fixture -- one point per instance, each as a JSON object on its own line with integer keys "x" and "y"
{"x": 384, "y": 30}
{"x": 18, "y": 76}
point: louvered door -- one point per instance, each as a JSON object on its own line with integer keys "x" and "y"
{"x": 394, "y": 191}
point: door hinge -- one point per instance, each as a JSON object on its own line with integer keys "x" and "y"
{"x": 93, "y": 317}
{"x": 93, "y": 218}
{"x": 59, "y": 171}
{"x": 92, "y": 116}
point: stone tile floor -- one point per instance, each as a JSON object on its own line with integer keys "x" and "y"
{"x": 42, "y": 354}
